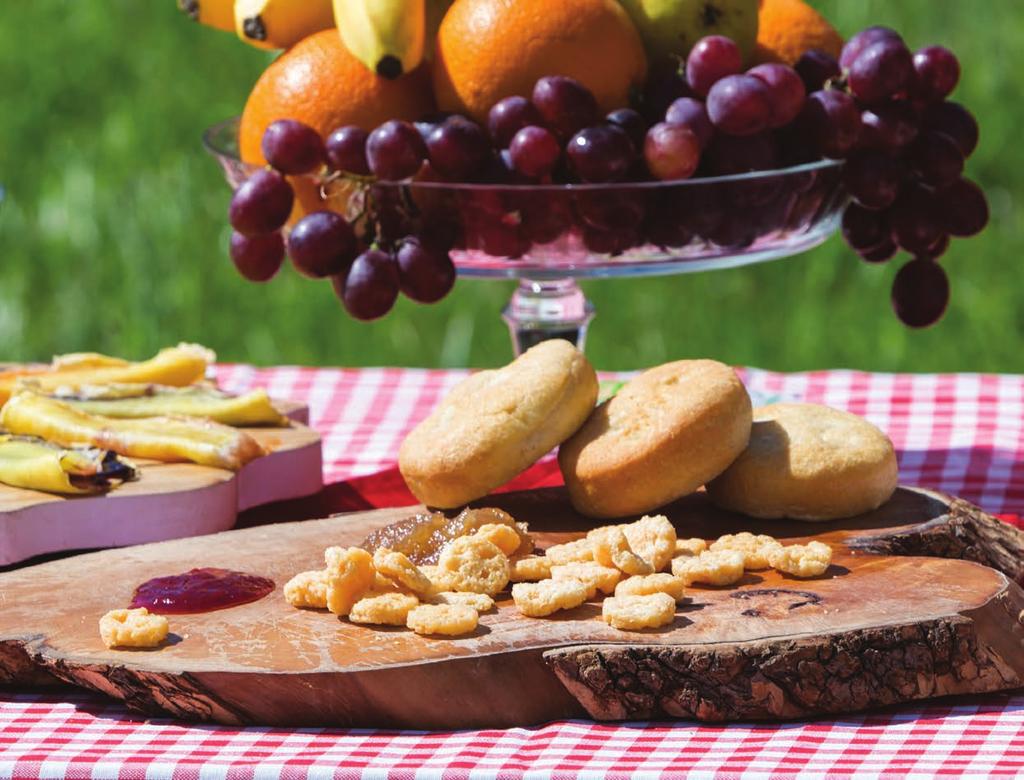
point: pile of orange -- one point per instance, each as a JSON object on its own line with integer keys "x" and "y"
{"x": 487, "y": 50}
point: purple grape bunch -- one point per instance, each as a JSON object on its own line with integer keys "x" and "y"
{"x": 883, "y": 110}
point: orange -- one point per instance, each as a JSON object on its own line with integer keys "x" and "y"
{"x": 319, "y": 82}
{"x": 490, "y": 49}
{"x": 788, "y": 28}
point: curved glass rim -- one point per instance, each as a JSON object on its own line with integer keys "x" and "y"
{"x": 211, "y": 134}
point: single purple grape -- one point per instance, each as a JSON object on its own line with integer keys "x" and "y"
{"x": 692, "y": 113}
{"x": 534, "y": 152}
{"x": 321, "y": 244}
{"x": 346, "y": 150}
{"x": 370, "y": 287}
{"x": 257, "y": 258}
{"x": 740, "y": 105}
{"x": 261, "y": 204}
{"x": 711, "y": 59}
{"x": 292, "y": 148}
{"x": 938, "y": 73}
{"x": 601, "y": 153}
{"x": 882, "y": 71}
{"x": 425, "y": 275}
{"x": 395, "y": 151}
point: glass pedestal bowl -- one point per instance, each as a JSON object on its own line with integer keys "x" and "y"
{"x": 548, "y": 236}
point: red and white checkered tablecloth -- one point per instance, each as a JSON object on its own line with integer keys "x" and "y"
{"x": 963, "y": 434}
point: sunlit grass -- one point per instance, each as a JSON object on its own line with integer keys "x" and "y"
{"x": 113, "y": 232}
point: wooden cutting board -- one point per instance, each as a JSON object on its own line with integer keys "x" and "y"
{"x": 168, "y": 501}
{"x": 921, "y": 601}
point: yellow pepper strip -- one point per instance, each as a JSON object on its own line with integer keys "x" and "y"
{"x": 34, "y": 464}
{"x": 135, "y": 401}
{"x": 158, "y": 438}
{"x": 177, "y": 366}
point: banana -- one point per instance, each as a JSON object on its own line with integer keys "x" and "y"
{"x": 387, "y": 36}
{"x": 277, "y": 24}
{"x": 212, "y": 13}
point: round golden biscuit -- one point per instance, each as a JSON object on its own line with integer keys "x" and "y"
{"x": 666, "y": 433}
{"x": 808, "y": 462}
{"x": 495, "y": 424}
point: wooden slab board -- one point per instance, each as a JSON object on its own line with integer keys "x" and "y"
{"x": 879, "y": 628}
{"x": 168, "y": 501}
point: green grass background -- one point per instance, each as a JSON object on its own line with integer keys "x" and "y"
{"x": 113, "y": 234}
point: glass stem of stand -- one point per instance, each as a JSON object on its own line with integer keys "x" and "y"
{"x": 550, "y": 309}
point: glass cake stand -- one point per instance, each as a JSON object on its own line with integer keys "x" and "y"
{"x": 549, "y": 236}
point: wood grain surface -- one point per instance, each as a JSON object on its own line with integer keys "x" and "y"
{"x": 881, "y": 626}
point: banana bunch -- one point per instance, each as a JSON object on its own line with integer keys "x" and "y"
{"x": 390, "y": 37}
{"x": 266, "y": 24}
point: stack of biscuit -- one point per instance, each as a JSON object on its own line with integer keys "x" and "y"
{"x": 668, "y": 432}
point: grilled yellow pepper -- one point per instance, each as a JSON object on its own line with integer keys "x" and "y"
{"x": 158, "y": 438}
{"x": 177, "y": 366}
{"x": 125, "y": 401}
{"x": 34, "y": 464}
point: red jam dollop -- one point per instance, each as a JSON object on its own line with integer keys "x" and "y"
{"x": 200, "y": 590}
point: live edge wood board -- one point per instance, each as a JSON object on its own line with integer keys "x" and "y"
{"x": 922, "y": 600}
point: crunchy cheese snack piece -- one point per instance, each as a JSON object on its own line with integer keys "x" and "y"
{"x": 396, "y": 566}
{"x": 653, "y": 538}
{"x": 595, "y": 576}
{"x": 439, "y": 581}
{"x": 540, "y": 599}
{"x": 802, "y": 560}
{"x": 383, "y": 609}
{"x": 307, "y": 589}
{"x": 632, "y": 613}
{"x": 577, "y": 551}
{"x": 350, "y": 575}
{"x": 611, "y": 548}
{"x": 652, "y": 583}
{"x": 382, "y": 584}
{"x": 724, "y": 567}
{"x": 481, "y": 602}
{"x": 474, "y": 565}
{"x": 504, "y": 537}
{"x": 530, "y": 568}
{"x": 132, "y": 628}
{"x": 443, "y": 619}
{"x": 755, "y": 549}
{"x": 690, "y": 547}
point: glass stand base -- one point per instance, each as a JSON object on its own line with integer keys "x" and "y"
{"x": 549, "y": 309}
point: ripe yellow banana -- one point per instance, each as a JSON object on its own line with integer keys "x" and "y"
{"x": 278, "y": 24}
{"x": 213, "y": 13}
{"x": 387, "y": 36}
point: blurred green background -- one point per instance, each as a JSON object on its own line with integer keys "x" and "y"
{"x": 113, "y": 235}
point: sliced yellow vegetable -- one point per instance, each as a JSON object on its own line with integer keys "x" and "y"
{"x": 34, "y": 464}
{"x": 177, "y": 366}
{"x": 135, "y": 401}
{"x": 158, "y": 438}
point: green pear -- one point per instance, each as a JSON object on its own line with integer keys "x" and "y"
{"x": 670, "y": 28}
